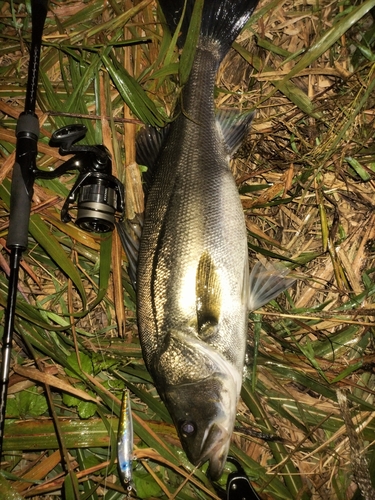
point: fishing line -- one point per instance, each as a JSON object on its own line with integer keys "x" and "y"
{"x": 112, "y": 406}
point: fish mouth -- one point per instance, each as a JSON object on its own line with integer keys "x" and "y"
{"x": 215, "y": 450}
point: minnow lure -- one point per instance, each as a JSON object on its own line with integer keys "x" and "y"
{"x": 125, "y": 443}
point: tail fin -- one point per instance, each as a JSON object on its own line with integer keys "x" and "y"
{"x": 267, "y": 281}
{"x": 222, "y": 20}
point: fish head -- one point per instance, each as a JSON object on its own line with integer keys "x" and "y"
{"x": 204, "y": 413}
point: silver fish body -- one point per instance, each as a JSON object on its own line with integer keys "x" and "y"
{"x": 192, "y": 280}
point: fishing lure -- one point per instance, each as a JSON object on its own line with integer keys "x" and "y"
{"x": 125, "y": 443}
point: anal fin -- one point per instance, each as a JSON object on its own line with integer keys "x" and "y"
{"x": 233, "y": 126}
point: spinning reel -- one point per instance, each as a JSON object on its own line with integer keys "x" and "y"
{"x": 96, "y": 194}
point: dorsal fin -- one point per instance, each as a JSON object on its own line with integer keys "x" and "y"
{"x": 149, "y": 143}
{"x": 130, "y": 235}
{"x": 208, "y": 295}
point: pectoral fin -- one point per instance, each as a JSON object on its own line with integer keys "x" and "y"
{"x": 208, "y": 295}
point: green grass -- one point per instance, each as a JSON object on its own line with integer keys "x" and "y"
{"x": 306, "y": 179}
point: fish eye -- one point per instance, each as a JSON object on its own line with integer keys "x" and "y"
{"x": 187, "y": 428}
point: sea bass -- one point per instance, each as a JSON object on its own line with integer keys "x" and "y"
{"x": 192, "y": 278}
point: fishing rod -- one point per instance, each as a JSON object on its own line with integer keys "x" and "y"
{"x": 97, "y": 195}
{"x": 27, "y": 133}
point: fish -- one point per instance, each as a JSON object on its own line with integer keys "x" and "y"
{"x": 192, "y": 272}
{"x": 125, "y": 443}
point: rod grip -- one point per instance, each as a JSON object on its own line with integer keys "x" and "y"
{"x": 20, "y": 207}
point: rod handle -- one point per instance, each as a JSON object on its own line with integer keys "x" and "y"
{"x": 20, "y": 207}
